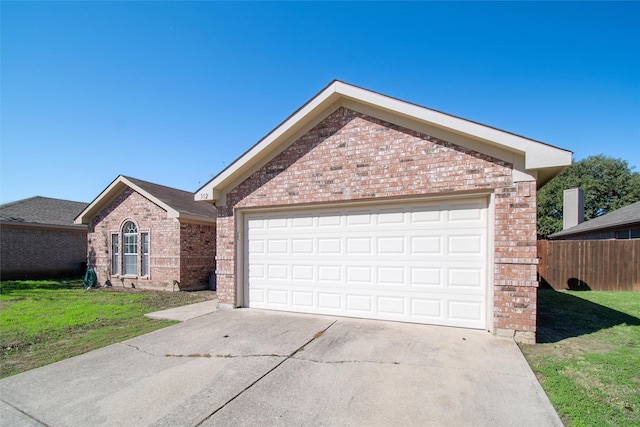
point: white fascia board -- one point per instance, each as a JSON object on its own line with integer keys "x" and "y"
{"x": 538, "y": 155}
{"x": 435, "y": 118}
{"x": 196, "y": 219}
{"x": 529, "y": 155}
{"x": 116, "y": 186}
{"x": 214, "y": 189}
{"x": 516, "y": 158}
{"x": 98, "y": 202}
{"x": 171, "y": 213}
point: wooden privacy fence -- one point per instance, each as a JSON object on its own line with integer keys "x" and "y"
{"x": 597, "y": 265}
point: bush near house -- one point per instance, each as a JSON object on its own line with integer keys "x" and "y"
{"x": 588, "y": 356}
{"x": 45, "y": 321}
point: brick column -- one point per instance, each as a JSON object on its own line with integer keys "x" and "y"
{"x": 515, "y": 275}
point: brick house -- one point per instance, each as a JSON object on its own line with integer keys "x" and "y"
{"x": 39, "y": 239}
{"x": 148, "y": 235}
{"x": 367, "y": 206}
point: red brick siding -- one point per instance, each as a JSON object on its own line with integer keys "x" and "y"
{"x": 352, "y": 156}
{"x": 164, "y": 237}
{"x": 197, "y": 255}
{"x": 41, "y": 253}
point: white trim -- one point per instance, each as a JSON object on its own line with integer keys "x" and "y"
{"x": 240, "y": 257}
{"x": 241, "y": 232}
{"x": 122, "y": 182}
{"x": 491, "y": 267}
{"x": 527, "y": 155}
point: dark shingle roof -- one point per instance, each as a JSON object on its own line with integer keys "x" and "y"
{"x": 41, "y": 210}
{"x": 180, "y": 200}
{"x": 178, "y": 204}
{"x": 619, "y": 218}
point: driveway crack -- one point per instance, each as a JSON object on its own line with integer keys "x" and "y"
{"x": 225, "y": 356}
{"x": 25, "y": 413}
{"x": 203, "y": 355}
{"x": 299, "y": 349}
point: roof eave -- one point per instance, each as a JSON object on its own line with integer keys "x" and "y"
{"x": 542, "y": 160}
{"x": 38, "y": 225}
{"x": 113, "y": 189}
{"x": 196, "y": 219}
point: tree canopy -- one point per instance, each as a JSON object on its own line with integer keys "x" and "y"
{"x": 608, "y": 184}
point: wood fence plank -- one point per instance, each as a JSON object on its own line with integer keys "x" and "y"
{"x": 599, "y": 265}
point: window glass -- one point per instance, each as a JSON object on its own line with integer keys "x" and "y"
{"x": 130, "y": 249}
{"x": 144, "y": 240}
{"x": 622, "y": 234}
{"x": 115, "y": 254}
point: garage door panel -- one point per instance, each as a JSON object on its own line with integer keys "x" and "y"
{"x": 429, "y": 310}
{"x": 329, "y": 301}
{"x": 277, "y": 296}
{"x": 423, "y": 263}
{"x": 466, "y": 278}
{"x": 426, "y": 276}
{"x": 465, "y": 245}
{"x": 256, "y": 296}
{"x": 394, "y": 276}
{"x": 302, "y": 247}
{"x": 302, "y": 299}
{"x": 329, "y": 246}
{"x": 302, "y": 272}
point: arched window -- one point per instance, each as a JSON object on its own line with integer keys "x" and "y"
{"x": 130, "y": 249}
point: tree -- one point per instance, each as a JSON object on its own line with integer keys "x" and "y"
{"x": 608, "y": 184}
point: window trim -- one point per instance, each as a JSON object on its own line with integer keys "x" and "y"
{"x": 115, "y": 254}
{"x": 140, "y": 256}
{"x": 145, "y": 257}
{"x": 128, "y": 244}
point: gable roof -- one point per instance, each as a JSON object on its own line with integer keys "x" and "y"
{"x": 178, "y": 204}
{"x": 40, "y": 210}
{"x": 531, "y": 159}
{"x": 626, "y": 216}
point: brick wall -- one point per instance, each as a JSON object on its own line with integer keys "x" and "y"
{"x": 197, "y": 256}
{"x": 352, "y": 156}
{"x": 164, "y": 238}
{"x": 41, "y": 253}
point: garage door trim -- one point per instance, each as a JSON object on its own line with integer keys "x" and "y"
{"x": 242, "y": 216}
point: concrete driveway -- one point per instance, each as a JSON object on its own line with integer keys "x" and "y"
{"x": 249, "y": 367}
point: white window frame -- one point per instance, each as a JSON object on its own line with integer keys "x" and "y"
{"x": 145, "y": 248}
{"x": 115, "y": 254}
{"x": 127, "y": 254}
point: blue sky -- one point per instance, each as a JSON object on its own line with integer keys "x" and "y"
{"x": 173, "y": 92}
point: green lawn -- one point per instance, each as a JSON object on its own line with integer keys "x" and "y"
{"x": 42, "y": 322}
{"x": 588, "y": 356}
{"x": 588, "y": 359}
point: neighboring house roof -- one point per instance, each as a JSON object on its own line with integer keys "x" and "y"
{"x": 178, "y": 204}
{"x": 41, "y": 211}
{"x": 627, "y": 216}
{"x": 531, "y": 159}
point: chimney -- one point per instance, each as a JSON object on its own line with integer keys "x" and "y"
{"x": 573, "y": 207}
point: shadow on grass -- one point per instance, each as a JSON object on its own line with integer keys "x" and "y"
{"x": 562, "y": 315}
{"x": 9, "y": 286}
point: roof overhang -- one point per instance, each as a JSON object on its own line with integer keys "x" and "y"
{"x": 116, "y": 187}
{"x": 578, "y": 231}
{"x": 537, "y": 160}
{"x": 18, "y": 224}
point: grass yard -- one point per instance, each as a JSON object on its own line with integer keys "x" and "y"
{"x": 588, "y": 356}
{"x": 42, "y": 322}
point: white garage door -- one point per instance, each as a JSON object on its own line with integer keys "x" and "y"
{"x": 418, "y": 262}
